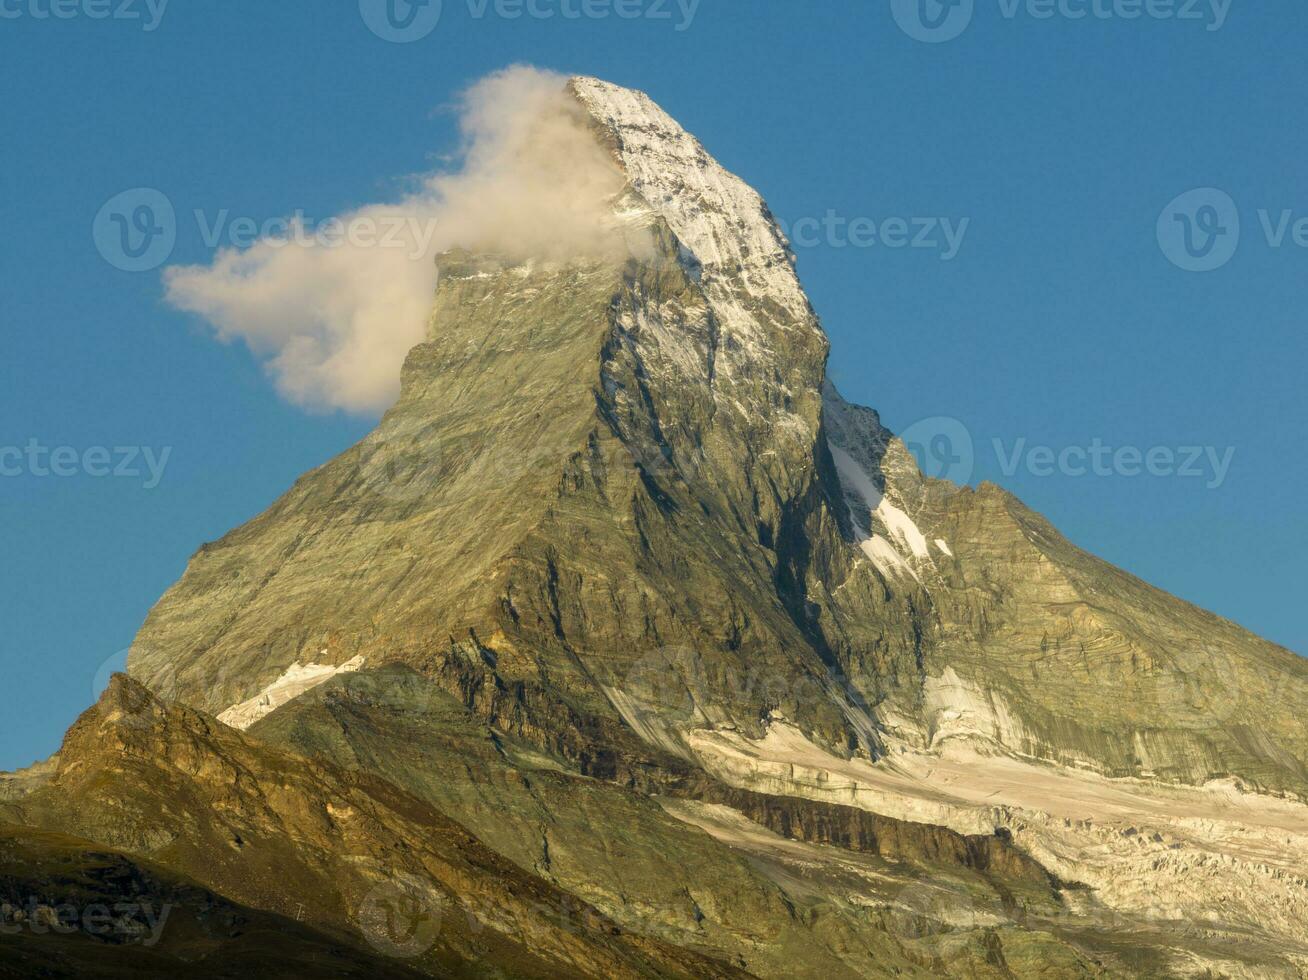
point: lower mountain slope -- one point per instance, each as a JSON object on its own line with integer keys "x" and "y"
{"x": 863, "y": 905}
{"x": 346, "y": 853}
{"x": 605, "y": 880}
{"x": 72, "y": 909}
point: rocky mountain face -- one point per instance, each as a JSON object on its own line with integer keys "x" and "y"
{"x": 632, "y": 646}
{"x": 337, "y": 850}
{"x": 71, "y": 908}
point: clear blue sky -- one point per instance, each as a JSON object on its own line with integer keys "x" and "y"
{"x": 1060, "y": 320}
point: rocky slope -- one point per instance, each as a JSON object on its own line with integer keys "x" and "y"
{"x": 343, "y": 852}
{"x": 71, "y": 909}
{"x": 628, "y": 850}
{"x": 624, "y": 598}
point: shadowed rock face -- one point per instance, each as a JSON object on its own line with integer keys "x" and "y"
{"x": 622, "y": 524}
{"x": 118, "y": 916}
{"x": 321, "y": 845}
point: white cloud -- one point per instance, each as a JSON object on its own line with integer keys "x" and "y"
{"x": 334, "y": 322}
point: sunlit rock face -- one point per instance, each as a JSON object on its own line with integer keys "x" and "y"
{"x": 620, "y": 515}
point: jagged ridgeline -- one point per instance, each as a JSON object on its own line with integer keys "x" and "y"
{"x": 624, "y": 587}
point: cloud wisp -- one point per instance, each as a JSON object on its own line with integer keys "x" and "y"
{"x": 334, "y": 319}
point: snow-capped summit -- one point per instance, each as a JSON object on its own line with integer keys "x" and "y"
{"x": 721, "y": 220}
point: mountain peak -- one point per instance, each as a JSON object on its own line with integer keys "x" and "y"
{"x": 723, "y": 224}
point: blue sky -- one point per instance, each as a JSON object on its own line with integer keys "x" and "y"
{"x": 1060, "y": 320}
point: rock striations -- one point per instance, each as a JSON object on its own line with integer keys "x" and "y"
{"x": 632, "y": 645}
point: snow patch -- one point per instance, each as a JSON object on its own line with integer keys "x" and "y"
{"x": 648, "y": 723}
{"x": 902, "y": 527}
{"x": 736, "y": 250}
{"x": 898, "y": 523}
{"x": 297, "y": 680}
{"x": 955, "y": 708}
{"x": 1215, "y": 852}
{"x": 884, "y": 556}
{"x": 944, "y": 546}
